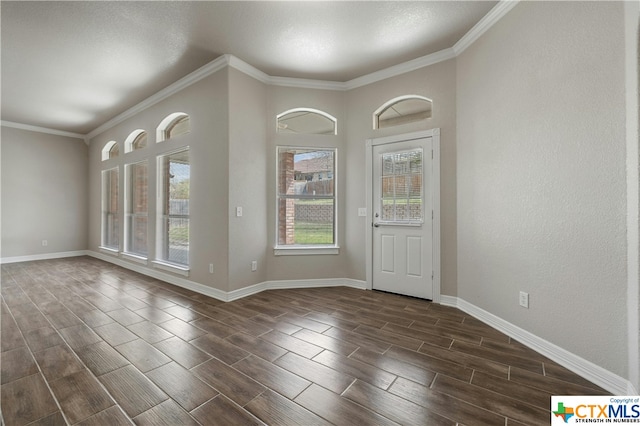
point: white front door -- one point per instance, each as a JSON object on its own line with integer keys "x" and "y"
{"x": 402, "y": 217}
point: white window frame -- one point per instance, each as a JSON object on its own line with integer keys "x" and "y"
{"x": 161, "y": 238}
{"x": 103, "y": 214}
{"x": 315, "y": 249}
{"x": 386, "y": 105}
{"x": 133, "y": 136}
{"x": 311, "y": 110}
{"x": 164, "y": 128}
{"x": 128, "y": 207}
{"x": 106, "y": 150}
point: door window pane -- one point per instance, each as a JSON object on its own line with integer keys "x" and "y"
{"x": 401, "y": 183}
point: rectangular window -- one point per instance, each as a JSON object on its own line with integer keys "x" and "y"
{"x": 174, "y": 173}
{"x": 136, "y": 208}
{"x": 306, "y": 197}
{"x": 110, "y": 223}
{"x": 402, "y": 187}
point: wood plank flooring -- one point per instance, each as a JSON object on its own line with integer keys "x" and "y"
{"x": 86, "y": 342}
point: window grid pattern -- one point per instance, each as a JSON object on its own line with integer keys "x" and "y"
{"x": 402, "y": 197}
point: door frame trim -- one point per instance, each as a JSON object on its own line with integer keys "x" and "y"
{"x": 434, "y": 134}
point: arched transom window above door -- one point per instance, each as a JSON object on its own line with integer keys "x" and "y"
{"x": 306, "y": 121}
{"x": 402, "y": 110}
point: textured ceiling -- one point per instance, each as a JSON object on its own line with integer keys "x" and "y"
{"x": 72, "y": 66}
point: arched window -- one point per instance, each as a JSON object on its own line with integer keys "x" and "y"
{"x": 306, "y": 121}
{"x": 136, "y": 140}
{"x": 402, "y": 110}
{"x": 173, "y": 125}
{"x": 110, "y": 150}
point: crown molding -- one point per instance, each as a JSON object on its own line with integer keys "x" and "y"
{"x": 248, "y": 69}
{"x": 265, "y": 78}
{"x": 307, "y": 84}
{"x": 494, "y": 15}
{"x": 469, "y": 38}
{"x": 400, "y": 69}
{"x": 188, "y": 80}
{"x": 41, "y": 129}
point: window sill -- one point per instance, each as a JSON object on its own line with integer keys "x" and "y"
{"x": 135, "y": 258}
{"x": 170, "y": 267}
{"x": 109, "y": 250}
{"x": 304, "y": 250}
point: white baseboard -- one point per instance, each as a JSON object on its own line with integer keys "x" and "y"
{"x": 449, "y": 300}
{"x": 154, "y": 273}
{"x": 315, "y": 283}
{"x": 223, "y": 295}
{"x": 287, "y": 284}
{"x": 44, "y": 256}
{"x": 586, "y": 369}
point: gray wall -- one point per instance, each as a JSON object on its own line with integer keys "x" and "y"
{"x": 541, "y": 175}
{"x": 44, "y": 193}
{"x": 436, "y": 82}
{"x": 248, "y": 157}
{"x": 281, "y": 99}
{"x": 206, "y": 102}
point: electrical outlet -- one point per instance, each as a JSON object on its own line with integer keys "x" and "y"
{"x": 239, "y": 211}
{"x": 211, "y": 268}
{"x": 362, "y": 211}
{"x": 524, "y": 299}
{"x": 45, "y": 243}
{"x": 254, "y": 265}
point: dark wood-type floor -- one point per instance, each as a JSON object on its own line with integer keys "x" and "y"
{"x": 86, "y": 342}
